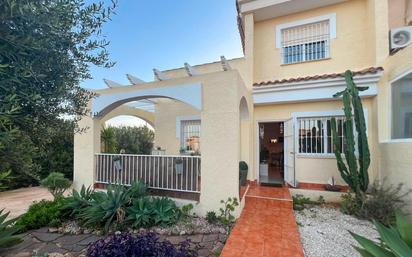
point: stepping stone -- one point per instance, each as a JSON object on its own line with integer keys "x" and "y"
{"x": 70, "y": 239}
{"x": 90, "y": 240}
{"x": 46, "y": 237}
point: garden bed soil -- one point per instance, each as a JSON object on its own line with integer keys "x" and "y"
{"x": 324, "y": 232}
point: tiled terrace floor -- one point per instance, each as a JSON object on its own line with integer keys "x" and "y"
{"x": 266, "y": 227}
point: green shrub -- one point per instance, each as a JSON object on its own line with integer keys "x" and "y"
{"x": 107, "y": 209}
{"x": 56, "y": 183}
{"x": 7, "y": 231}
{"x": 300, "y": 202}
{"x": 165, "y": 211}
{"x": 78, "y": 200}
{"x": 349, "y": 204}
{"x": 226, "y": 216}
{"x": 41, "y": 214}
{"x": 379, "y": 205}
{"x": 394, "y": 241}
{"x": 187, "y": 210}
{"x": 147, "y": 212}
{"x": 211, "y": 217}
{"x": 141, "y": 213}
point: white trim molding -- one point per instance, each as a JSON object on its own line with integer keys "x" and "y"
{"x": 312, "y": 90}
{"x": 328, "y": 17}
{"x": 187, "y": 93}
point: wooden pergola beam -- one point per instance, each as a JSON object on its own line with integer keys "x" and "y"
{"x": 191, "y": 71}
{"x": 225, "y": 63}
{"x": 159, "y": 75}
{"x": 111, "y": 83}
{"x": 134, "y": 80}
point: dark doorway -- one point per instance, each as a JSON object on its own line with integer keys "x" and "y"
{"x": 271, "y": 153}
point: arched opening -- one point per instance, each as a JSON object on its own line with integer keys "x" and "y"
{"x": 244, "y": 152}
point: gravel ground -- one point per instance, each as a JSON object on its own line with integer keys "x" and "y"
{"x": 324, "y": 232}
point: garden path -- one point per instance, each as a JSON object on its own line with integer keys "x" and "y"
{"x": 18, "y": 201}
{"x": 266, "y": 227}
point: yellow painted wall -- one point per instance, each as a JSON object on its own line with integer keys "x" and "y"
{"x": 311, "y": 169}
{"x": 348, "y": 50}
{"x": 166, "y": 112}
{"x": 149, "y": 117}
{"x": 221, "y": 94}
{"x": 395, "y": 155}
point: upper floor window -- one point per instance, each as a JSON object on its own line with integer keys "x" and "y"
{"x": 402, "y": 107}
{"x": 190, "y": 135}
{"x": 306, "y": 40}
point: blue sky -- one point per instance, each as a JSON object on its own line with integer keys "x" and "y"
{"x": 163, "y": 34}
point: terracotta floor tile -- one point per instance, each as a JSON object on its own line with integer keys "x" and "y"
{"x": 266, "y": 227}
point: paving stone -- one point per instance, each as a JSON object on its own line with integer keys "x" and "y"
{"x": 28, "y": 241}
{"x": 176, "y": 239}
{"x": 46, "y": 237}
{"x": 21, "y": 254}
{"x": 71, "y": 239}
{"x": 89, "y": 240}
{"x": 196, "y": 238}
{"x": 51, "y": 248}
{"x": 210, "y": 237}
{"x": 203, "y": 252}
{"x": 218, "y": 248}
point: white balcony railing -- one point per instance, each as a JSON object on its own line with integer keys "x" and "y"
{"x": 165, "y": 172}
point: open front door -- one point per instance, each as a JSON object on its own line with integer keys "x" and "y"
{"x": 289, "y": 148}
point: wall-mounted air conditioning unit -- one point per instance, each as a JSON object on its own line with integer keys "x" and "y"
{"x": 400, "y": 37}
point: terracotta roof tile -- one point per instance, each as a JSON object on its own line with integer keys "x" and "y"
{"x": 370, "y": 70}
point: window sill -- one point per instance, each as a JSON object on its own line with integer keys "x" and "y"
{"x": 318, "y": 60}
{"x": 315, "y": 156}
{"x": 400, "y": 140}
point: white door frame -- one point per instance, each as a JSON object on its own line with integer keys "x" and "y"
{"x": 257, "y": 160}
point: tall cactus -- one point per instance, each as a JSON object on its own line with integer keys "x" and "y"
{"x": 354, "y": 171}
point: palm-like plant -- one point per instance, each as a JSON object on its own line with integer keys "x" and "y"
{"x": 108, "y": 138}
{"x": 7, "y": 231}
{"x": 395, "y": 241}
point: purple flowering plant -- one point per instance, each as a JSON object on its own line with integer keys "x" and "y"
{"x": 146, "y": 245}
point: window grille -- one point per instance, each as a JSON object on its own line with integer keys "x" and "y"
{"x": 315, "y": 135}
{"x": 305, "y": 42}
{"x": 190, "y": 135}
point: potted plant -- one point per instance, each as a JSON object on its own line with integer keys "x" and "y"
{"x": 331, "y": 186}
{"x": 243, "y": 169}
{"x": 179, "y": 166}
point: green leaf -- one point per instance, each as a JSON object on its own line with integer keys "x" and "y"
{"x": 393, "y": 241}
{"x": 371, "y": 247}
{"x": 404, "y": 228}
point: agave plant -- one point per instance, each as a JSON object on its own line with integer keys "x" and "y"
{"x": 141, "y": 213}
{"x": 395, "y": 241}
{"x": 79, "y": 200}
{"x": 7, "y": 231}
{"x": 165, "y": 211}
{"x": 147, "y": 212}
{"x": 106, "y": 208}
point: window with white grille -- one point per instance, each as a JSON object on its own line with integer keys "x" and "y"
{"x": 306, "y": 42}
{"x": 315, "y": 135}
{"x": 190, "y": 135}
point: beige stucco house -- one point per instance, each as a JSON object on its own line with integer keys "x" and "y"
{"x": 270, "y": 108}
